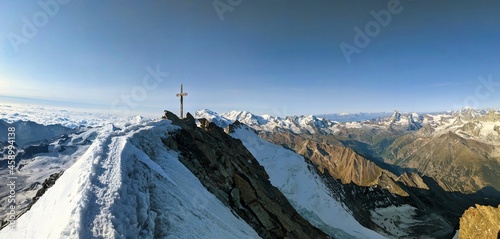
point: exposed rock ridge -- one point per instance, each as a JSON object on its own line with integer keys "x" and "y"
{"x": 226, "y": 168}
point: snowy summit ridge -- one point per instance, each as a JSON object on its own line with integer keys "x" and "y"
{"x": 128, "y": 184}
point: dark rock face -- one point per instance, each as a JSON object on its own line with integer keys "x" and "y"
{"x": 226, "y": 168}
{"x": 49, "y": 182}
{"x": 497, "y": 129}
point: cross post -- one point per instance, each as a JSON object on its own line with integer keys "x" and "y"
{"x": 182, "y": 94}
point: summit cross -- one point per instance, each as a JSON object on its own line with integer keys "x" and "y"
{"x": 182, "y": 94}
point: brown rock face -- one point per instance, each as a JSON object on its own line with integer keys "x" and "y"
{"x": 480, "y": 222}
{"x": 412, "y": 180}
{"x": 226, "y": 168}
{"x": 338, "y": 161}
{"x": 342, "y": 163}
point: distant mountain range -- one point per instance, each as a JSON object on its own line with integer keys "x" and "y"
{"x": 350, "y": 117}
{"x": 452, "y": 156}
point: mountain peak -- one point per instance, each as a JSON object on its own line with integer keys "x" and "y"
{"x": 396, "y": 116}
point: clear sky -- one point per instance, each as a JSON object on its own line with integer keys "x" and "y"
{"x": 268, "y": 57}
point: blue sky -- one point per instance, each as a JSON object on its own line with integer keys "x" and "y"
{"x": 268, "y": 57}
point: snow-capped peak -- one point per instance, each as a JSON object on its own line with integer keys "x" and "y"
{"x": 245, "y": 117}
{"x": 415, "y": 118}
{"x": 297, "y": 124}
{"x": 396, "y": 116}
{"x": 213, "y": 117}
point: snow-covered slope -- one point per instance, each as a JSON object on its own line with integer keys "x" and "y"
{"x": 52, "y": 149}
{"x": 305, "y": 190}
{"x": 129, "y": 185}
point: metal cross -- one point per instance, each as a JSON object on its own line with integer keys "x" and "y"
{"x": 182, "y": 94}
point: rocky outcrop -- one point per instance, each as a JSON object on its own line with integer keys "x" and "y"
{"x": 226, "y": 168}
{"x": 496, "y": 128}
{"x": 49, "y": 182}
{"x": 480, "y": 222}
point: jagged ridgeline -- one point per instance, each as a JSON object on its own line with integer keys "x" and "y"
{"x": 424, "y": 169}
{"x": 229, "y": 171}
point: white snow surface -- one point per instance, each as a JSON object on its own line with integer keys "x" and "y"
{"x": 304, "y": 189}
{"x": 395, "y": 219}
{"x": 129, "y": 185}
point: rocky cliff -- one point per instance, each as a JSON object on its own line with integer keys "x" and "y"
{"x": 226, "y": 168}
